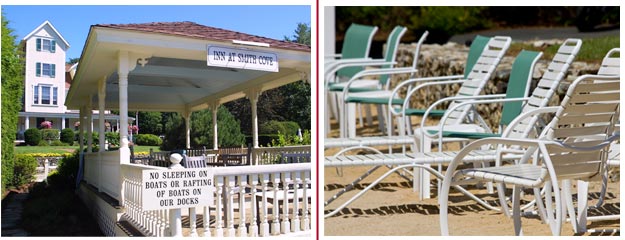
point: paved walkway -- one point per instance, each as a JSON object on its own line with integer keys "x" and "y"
{"x": 12, "y": 208}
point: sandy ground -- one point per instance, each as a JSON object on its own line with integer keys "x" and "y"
{"x": 393, "y": 209}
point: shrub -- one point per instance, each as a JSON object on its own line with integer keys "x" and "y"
{"x": 112, "y": 138}
{"x": 68, "y": 168}
{"x": 50, "y": 134}
{"x": 274, "y": 127}
{"x": 148, "y": 140}
{"x": 67, "y": 136}
{"x": 32, "y": 136}
{"x": 43, "y": 143}
{"x": 24, "y": 169}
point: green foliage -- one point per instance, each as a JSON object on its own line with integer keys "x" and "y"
{"x": 43, "y": 143}
{"x": 32, "y": 136}
{"x": 450, "y": 20}
{"x": 148, "y": 139}
{"x": 50, "y": 134}
{"x": 151, "y": 122}
{"x": 58, "y": 143}
{"x": 301, "y": 35}
{"x": 68, "y": 168}
{"x": 24, "y": 170}
{"x": 67, "y": 136}
{"x": 112, "y": 138}
{"x": 201, "y": 130}
{"x": 275, "y": 127}
{"x": 291, "y": 140}
{"x": 12, "y": 90}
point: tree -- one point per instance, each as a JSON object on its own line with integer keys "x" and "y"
{"x": 302, "y": 34}
{"x": 151, "y": 122}
{"x": 12, "y": 88}
{"x": 229, "y": 133}
{"x": 73, "y": 60}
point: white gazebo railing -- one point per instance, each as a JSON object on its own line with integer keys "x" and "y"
{"x": 249, "y": 201}
{"x": 272, "y": 155}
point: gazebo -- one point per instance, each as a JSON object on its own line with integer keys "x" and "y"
{"x": 173, "y": 67}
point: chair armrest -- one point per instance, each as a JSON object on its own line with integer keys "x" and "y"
{"x": 334, "y": 66}
{"x": 483, "y": 99}
{"x": 375, "y": 72}
{"x": 413, "y": 91}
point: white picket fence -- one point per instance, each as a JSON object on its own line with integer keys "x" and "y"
{"x": 271, "y": 155}
{"x": 248, "y": 202}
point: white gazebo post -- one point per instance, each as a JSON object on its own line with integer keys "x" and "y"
{"x": 214, "y": 107}
{"x": 81, "y": 130}
{"x": 253, "y": 94}
{"x": 62, "y": 122}
{"x": 187, "y": 125}
{"x": 101, "y": 98}
{"x": 26, "y": 123}
{"x": 89, "y": 124}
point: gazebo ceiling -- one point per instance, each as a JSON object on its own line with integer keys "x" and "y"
{"x": 171, "y": 72}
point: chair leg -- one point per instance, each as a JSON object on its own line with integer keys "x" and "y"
{"x": 501, "y": 193}
{"x": 568, "y": 197}
{"x": 350, "y": 120}
{"x": 443, "y": 200}
{"x": 516, "y": 210}
{"x": 582, "y": 206}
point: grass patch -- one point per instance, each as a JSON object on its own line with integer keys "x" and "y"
{"x": 45, "y": 149}
{"x": 593, "y": 49}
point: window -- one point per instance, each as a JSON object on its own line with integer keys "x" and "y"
{"x": 49, "y": 95}
{"x": 46, "y": 45}
{"x": 45, "y": 69}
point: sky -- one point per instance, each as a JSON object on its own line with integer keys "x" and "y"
{"x": 73, "y": 22}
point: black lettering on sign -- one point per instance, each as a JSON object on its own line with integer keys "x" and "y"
{"x": 154, "y": 175}
{"x": 219, "y": 55}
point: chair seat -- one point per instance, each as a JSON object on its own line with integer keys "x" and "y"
{"x": 421, "y": 112}
{"x": 469, "y": 131}
{"x": 368, "y": 141}
{"x": 523, "y": 174}
{"x": 373, "y": 97}
{"x": 412, "y": 158}
{"x": 356, "y": 86}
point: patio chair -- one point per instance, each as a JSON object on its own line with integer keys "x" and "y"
{"x": 356, "y": 45}
{"x": 160, "y": 159}
{"x": 476, "y": 49}
{"x": 194, "y": 161}
{"x": 568, "y": 149}
{"x": 455, "y": 130}
{"x": 521, "y": 73}
{"x": 357, "y": 80}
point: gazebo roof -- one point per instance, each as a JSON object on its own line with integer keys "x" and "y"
{"x": 171, "y": 72}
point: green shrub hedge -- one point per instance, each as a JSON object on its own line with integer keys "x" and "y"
{"x": 32, "y": 136}
{"x": 50, "y": 134}
{"x": 148, "y": 140}
{"x": 67, "y": 136}
{"x": 24, "y": 169}
{"x": 275, "y": 127}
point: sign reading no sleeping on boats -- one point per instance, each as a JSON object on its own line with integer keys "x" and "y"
{"x": 242, "y": 59}
{"x": 177, "y": 188}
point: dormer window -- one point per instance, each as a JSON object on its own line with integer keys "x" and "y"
{"x": 46, "y": 45}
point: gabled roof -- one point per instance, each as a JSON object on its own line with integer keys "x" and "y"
{"x": 191, "y": 29}
{"x": 53, "y": 29}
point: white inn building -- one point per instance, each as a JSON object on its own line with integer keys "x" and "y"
{"x": 46, "y": 82}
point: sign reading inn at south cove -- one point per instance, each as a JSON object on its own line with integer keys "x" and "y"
{"x": 242, "y": 59}
{"x": 177, "y": 188}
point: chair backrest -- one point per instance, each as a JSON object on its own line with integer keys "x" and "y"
{"x": 160, "y": 159}
{"x": 519, "y": 84}
{"x": 356, "y": 44}
{"x": 481, "y": 71}
{"x": 611, "y": 63}
{"x": 585, "y": 119}
{"x": 392, "y": 43}
{"x": 547, "y": 86}
{"x": 194, "y": 162}
{"x": 475, "y": 51}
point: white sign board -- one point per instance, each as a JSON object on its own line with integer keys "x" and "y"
{"x": 177, "y": 188}
{"x": 243, "y": 59}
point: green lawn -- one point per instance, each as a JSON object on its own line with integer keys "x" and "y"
{"x": 593, "y": 49}
{"x": 67, "y": 149}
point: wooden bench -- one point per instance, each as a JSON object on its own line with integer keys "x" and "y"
{"x": 160, "y": 159}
